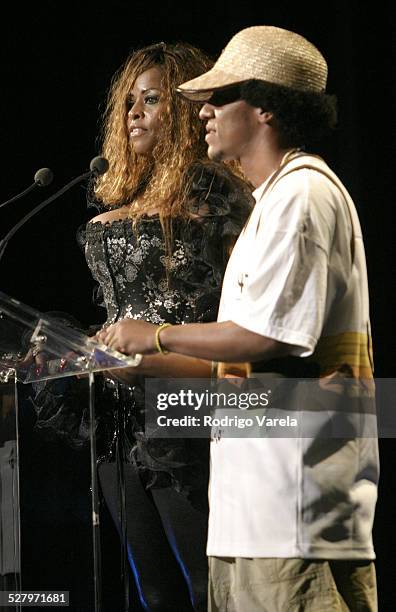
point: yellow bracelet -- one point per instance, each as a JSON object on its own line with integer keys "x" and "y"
{"x": 158, "y": 344}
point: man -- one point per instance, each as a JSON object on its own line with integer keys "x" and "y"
{"x": 290, "y": 519}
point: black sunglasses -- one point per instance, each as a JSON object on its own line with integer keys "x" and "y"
{"x": 225, "y": 95}
{"x": 217, "y": 97}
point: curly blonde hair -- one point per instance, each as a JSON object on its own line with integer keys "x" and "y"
{"x": 160, "y": 178}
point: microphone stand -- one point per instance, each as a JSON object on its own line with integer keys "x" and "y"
{"x": 20, "y": 195}
{"x": 13, "y": 230}
{"x": 95, "y": 499}
{"x": 42, "y": 178}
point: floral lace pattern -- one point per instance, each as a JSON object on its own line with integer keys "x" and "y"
{"x": 140, "y": 281}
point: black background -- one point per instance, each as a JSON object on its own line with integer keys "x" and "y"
{"x": 57, "y": 61}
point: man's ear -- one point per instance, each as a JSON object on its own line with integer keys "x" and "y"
{"x": 264, "y": 116}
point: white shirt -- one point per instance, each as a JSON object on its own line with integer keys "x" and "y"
{"x": 291, "y": 278}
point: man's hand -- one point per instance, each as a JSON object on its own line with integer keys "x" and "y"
{"x": 225, "y": 341}
{"x": 129, "y": 337}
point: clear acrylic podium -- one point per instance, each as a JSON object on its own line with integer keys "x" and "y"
{"x": 25, "y": 332}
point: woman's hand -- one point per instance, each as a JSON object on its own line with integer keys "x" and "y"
{"x": 129, "y": 337}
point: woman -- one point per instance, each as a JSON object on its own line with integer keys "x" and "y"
{"x": 158, "y": 253}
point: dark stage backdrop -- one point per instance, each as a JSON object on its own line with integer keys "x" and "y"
{"x": 57, "y": 60}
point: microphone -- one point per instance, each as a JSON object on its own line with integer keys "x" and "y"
{"x": 42, "y": 178}
{"x": 99, "y": 165}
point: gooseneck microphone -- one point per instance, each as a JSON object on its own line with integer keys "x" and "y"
{"x": 42, "y": 178}
{"x": 98, "y": 166}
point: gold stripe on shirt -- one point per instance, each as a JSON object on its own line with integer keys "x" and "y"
{"x": 348, "y": 352}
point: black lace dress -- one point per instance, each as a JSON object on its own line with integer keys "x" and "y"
{"x": 138, "y": 278}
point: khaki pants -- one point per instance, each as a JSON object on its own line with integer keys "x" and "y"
{"x": 291, "y": 585}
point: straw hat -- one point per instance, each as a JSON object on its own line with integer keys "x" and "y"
{"x": 265, "y": 53}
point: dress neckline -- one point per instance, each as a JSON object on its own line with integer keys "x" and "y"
{"x": 122, "y": 221}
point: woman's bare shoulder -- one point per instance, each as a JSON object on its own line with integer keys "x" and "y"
{"x": 111, "y": 215}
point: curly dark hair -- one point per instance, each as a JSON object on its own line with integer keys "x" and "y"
{"x": 302, "y": 118}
